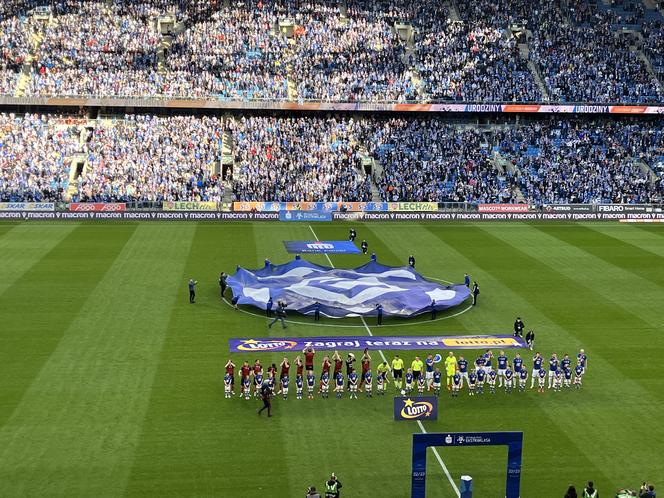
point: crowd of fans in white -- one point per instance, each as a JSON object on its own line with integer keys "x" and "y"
{"x": 151, "y": 158}
{"x": 239, "y": 52}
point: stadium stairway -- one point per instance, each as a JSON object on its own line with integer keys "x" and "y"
{"x": 453, "y": 10}
{"x": 652, "y": 176}
{"x": 524, "y": 54}
{"x": 36, "y": 39}
{"x": 227, "y": 156}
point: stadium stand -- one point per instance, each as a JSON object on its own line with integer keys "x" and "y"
{"x": 394, "y": 50}
{"x": 152, "y": 158}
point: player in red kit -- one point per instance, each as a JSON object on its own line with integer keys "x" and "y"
{"x": 298, "y": 364}
{"x": 338, "y": 363}
{"x": 366, "y": 365}
{"x": 230, "y": 370}
{"x": 285, "y": 368}
{"x": 245, "y": 370}
{"x": 326, "y": 370}
{"x": 309, "y": 359}
{"x": 258, "y": 368}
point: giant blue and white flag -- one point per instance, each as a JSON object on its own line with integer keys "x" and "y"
{"x": 401, "y": 291}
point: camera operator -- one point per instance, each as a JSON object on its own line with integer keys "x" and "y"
{"x": 312, "y": 493}
{"x": 647, "y": 491}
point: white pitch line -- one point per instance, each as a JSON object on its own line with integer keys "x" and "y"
{"x": 382, "y": 355}
{"x": 442, "y": 464}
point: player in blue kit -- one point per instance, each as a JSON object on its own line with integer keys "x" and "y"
{"x": 481, "y": 379}
{"x": 352, "y": 384}
{"x": 428, "y": 366}
{"x": 298, "y": 387}
{"x": 541, "y": 378}
{"x": 509, "y": 380}
{"x": 557, "y": 380}
{"x": 325, "y": 385}
{"x": 523, "y": 378}
{"x": 567, "y": 381}
{"x": 537, "y": 364}
{"x": 462, "y": 363}
{"x": 421, "y": 384}
{"x": 578, "y": 375}
{"x": 368, "y": 384}
{"x": 228, "y": 383}
{"x": 339, "y": 386}
{"x": 502, "y": 366}
{"x": 517, "y": 363}
{"x": 488, "y": 361}
{"x": 409, "y": 381}
{"x": 479, "y": 363}
{"x": 583, "y": 358}
{"x": 311, "y": 383}
{"x": 436, "y": 381}
{"x": 472, "y": 382}
{"x": 491, "y": 379}
{"x": 553, "y": 367}
{"x": 456, "y": 384}
{"x": 285, "y": 381}
{"x": 380, "y": 385}
{"x": 246, "y": 387}
{"x": 566, "y": 363}
{"x": 258, "y": 384}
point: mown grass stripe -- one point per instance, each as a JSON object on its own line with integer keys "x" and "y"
{"x": 85, "y": 409}
{"x": 39, "y": 306}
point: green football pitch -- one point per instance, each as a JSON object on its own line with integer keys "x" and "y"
{"x": 111, "y": 382}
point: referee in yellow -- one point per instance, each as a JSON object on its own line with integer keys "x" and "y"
{"x": 417, "y": 366}
{"x": 397, "y": 371}
{"x": 450, "y": 368}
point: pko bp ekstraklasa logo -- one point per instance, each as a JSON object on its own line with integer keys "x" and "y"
{"x": 254, "y": 345}
{"x": 416, "y": 409}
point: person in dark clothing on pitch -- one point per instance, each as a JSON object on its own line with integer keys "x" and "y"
{"x": 518, "y": 327}
{"x": 222, "y": 283}
{"x": 530, "y": 339}
{"x": 364, "y": 246}
{"x": 475, "y": 292}
{"x": 379, "y": 314}
{"x": 280, "y": 315}
{"x": 316, "y": 311}
{"x": 266, "y": 396}
{"x": 433, "y": 309}
{"x": 192, "y": 290}
{"x": 268, "y": 307}
{"x": 352, "y": 234}
{"x": 411, "y": 261}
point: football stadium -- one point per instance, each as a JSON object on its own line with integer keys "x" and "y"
{"x": 331, "y": 248}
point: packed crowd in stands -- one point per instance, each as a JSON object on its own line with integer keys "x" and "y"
{"x": 429, "y": 160}
{"x": 92, "y": 48}
{"x": 151, "y": 158}
{"x": 239, "y": 51}
{"x": 34, "y": 158}
{"x": 298, "y": 159}
{"x": 582, "y": 162}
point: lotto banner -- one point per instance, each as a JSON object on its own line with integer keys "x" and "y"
{"x": 353, "y": 343}
{"x": 321, "y": 247}
{"x": 190, "y": 206}
{"x": 416, "y": 408}
{"x": 97, "y": 207}
{"x": 27, "y": 206}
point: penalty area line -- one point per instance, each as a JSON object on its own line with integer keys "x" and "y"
{"x": 419, "y": 423}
